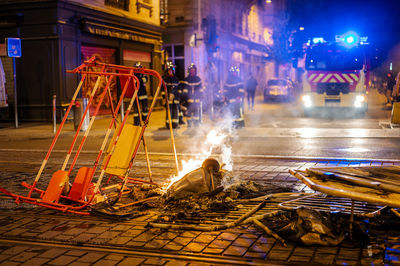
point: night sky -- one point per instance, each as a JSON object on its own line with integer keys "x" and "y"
{"x": 377, "y": 19}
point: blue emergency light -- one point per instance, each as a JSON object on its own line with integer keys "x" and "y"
{"x": 350, "y": 39}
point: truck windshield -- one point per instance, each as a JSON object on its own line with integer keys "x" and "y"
{"x": 334, "y": 58}
{"x": 277, "y": 82}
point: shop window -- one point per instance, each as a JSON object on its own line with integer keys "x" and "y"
{"x": 164, "y": 11}
{"x": 120, "y": 4}
{"x": 179, "y": 50}
{"x": 176, "y": 54}
{"x": 180, "y": 68}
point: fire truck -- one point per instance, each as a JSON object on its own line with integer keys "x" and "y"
{"x": 336, "y": 76}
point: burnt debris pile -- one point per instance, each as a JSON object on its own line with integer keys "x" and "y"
{"x": 210, "y": 198}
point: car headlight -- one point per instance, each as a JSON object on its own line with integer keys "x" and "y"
{"x": 307, "y": 102}
{"x": 360, "y": 99}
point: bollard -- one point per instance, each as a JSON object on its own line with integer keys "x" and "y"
{"x": 54, "y": 114}
{"x": 80, "y": 106}
{"x": 122, "y": 111}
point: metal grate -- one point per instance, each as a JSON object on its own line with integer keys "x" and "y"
{"x": 205, "y": 218}
{"x": 325, "y": 203}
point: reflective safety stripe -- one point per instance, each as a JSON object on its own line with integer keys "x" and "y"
{"x": 347, "y": 77}
{"x": 196, "y": 117}
{"x": 197, "y": 100}
{"x": 232, "y": 100}
{"x": 179, "y": 91}
{"x": 173, "y": 121}
{"x": 183, "y": 82}
{"x": 176, "y": 101}
{"x": 239, "y": 119}
{"x": 185, "y": 90}
{"x": 190, "y": 101}
{"x": 193, "y": 84}
{"x": 170, "y": 102}
{"x": 325, "y": 79}
{"x": 136, "y": 115}
{"x": 241, "y": 90}
{"x": 163, "y": 93}
{"x": 145, "y": 114}
{"x": 142, "y": 97}
{"x": 172, "y": 84}
{"x": 338, "y": 77}
{"x": 180, "y": 113}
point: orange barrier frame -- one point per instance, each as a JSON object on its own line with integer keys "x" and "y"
{"x": 83, "y": 191}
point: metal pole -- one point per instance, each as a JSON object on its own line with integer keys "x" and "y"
{"x": 15, "y": 94}
{"x": 54, "y": 114}
{"x": 122, "y": 110}
{"x": 144, "y": 142}
{"x": 170, "y": 125}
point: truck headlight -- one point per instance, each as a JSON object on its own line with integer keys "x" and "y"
{"x": 360, "y": 99}
{"x": 307, "y": 101}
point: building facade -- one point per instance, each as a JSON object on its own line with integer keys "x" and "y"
{"x": 58, "y": 35}
{"x": 218, "y": 34}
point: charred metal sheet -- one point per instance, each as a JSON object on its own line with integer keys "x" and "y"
{"x": 329, "y": 184}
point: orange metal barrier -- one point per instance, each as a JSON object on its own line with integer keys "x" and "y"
{"x": 83, "y": 192}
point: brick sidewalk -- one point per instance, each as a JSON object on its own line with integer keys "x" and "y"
{"x": 34, "y": 236}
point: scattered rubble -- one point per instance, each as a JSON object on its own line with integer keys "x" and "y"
{"x": 201, "y": 192}
{"x": 311, "y": 228}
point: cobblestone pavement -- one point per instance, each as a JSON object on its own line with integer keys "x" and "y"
{"x": 34, "y": 235}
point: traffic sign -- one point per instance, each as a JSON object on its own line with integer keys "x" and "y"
{"x": 193, "y": 40}
{"x": 13, "y": 47}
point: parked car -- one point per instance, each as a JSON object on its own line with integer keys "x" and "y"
{"x": 279, "y": 90}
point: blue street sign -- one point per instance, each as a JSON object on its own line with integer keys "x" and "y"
{"x": 13, "y": 47}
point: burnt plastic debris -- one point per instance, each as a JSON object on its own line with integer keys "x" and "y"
{"x": 311, "y": 227}
{"x": 202, "y": 180}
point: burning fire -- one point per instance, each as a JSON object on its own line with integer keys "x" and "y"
{"x": 214, "y": 139}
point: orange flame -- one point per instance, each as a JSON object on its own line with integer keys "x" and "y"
{"x": 213, "y": 140}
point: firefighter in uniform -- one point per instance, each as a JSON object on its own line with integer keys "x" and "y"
{"x": 234, "y": 94}
{"x": 142, "y": 97}
{"x": 172, "y": 84}
{"x": 192, "y": 94}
